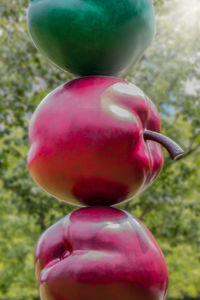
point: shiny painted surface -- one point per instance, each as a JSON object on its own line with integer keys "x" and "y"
{"x": 87, "y": 143}
{"x": 100, "y": 253}
{"x": 92, "y": 37}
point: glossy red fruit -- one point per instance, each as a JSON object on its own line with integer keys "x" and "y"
{"x": 100, "y": 253}
{"x": 87, "y": 142}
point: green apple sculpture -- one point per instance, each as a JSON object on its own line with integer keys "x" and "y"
{"x": 92, "y": 37}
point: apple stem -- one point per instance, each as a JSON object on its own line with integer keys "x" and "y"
{"x": 173, "y": 148}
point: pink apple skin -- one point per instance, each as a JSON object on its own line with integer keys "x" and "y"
{"x": 87, "y": 142}
{"x": 100, "y": 253}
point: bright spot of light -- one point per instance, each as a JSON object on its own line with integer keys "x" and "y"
{"x": 186, "y": 13}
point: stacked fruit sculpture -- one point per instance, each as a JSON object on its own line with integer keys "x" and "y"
{"x": 95, "y": 141}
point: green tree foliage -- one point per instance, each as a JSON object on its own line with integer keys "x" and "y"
{"x": 170, "y": 74}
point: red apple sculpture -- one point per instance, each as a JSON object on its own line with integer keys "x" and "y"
{"x": 100, "y": 253}
{"x": 93, "y": 142}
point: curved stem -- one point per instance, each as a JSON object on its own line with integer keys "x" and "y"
{"x": 173, "y": 148}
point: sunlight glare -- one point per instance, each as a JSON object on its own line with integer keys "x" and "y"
{"x": 189, "y": 12}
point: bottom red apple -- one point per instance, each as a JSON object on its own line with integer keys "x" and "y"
{"x": 100, "y": 253}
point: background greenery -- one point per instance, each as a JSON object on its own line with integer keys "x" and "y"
{"x": 169, "y": 73}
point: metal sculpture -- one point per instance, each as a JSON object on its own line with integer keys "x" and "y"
{"x": 100, "y": 253}
{"x": 95, "y": 141}
{"x": 92, "y": 37}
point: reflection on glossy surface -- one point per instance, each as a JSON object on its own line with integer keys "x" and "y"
{"x": 111, "y": 256}
{"x": 92, "y": 37}
{"x": 87, "y": 144}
